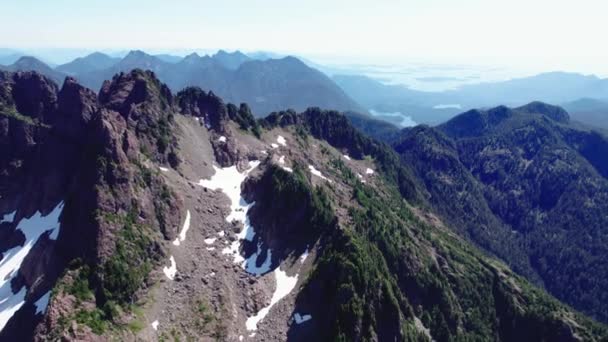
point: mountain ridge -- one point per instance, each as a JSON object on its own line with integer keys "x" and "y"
{"x": 147, "y": 263}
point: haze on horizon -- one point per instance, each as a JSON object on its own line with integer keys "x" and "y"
{"x": 544, "y": 34}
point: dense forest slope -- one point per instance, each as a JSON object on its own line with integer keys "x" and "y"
{"x": 527, "y": 186}
{"x": 137, "y": 214}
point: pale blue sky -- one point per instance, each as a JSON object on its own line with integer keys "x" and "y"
{"x": 543, "y": 31}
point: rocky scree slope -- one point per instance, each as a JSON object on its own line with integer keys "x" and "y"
{"x": 183, "y": 217}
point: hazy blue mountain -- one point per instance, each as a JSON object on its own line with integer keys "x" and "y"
{"x": 168, "y": 58}
{"x": 135, "y": 59}
{"x": 92, "y": 62}
{"x": 419, "y": 105}
{"x": 28, "y": 63}
{"x": 435, "y": 107}
{"x": 9, "y": 58}
{"x": 268, "y": 86}
{"x": 264, "y": 55}
{"x": 231, "y": 60}
{"x": 589, "y": 111}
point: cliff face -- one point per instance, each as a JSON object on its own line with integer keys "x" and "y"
{"x": 67, "y": 148}
{"x": 139, "y": 215}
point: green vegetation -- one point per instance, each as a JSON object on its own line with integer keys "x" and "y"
{"x": 526, "y": 188}
{"x": 387, "y": 267}
{"x": 11, "y": 112}
{"x": 304, "y": 212}
{"x": 123, "y": 273}
{"x": 244, "y": 118}
{"x": 336, "y": 129}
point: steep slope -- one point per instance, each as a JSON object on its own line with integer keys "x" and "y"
{"x": 528, "y": 187}
{"x": 183, "y": 218}
{"x": 71, "y": 160}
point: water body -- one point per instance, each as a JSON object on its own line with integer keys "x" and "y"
{"x": 397, "y": 118}
{"x": 447, "y": 106}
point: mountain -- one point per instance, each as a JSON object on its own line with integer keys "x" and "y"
{"x": 139, "y": 214}
{"x": 28, "y": 63}
{"x": 9, "y": 58}
{"x": 527, "y": 186}
{"x": 267, "y": 86}
{"x": 93, "y": 62}
{"x": 589, "y": 111}
{"x": 168, "y": 58}
{"x": 232, "y": 60}
{"x": 285, "y": 83}
{"x": 422, "y": 107}
{"x": 437, "y": 107}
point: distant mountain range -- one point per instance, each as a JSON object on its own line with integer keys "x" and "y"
{"x": 589, "y": 111}
{"x": 267, "y": 85}
{"x": 270, "y": 82}
{"x": 27, "y": 63}
{"x": 437, "y": 107}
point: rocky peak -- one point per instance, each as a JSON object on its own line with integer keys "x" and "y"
{"x": 76, "y": 107}
{"x": 136, "y": 55}
{"x": 127, "y": 93}
{"x": 33, "y": 94}
{"x": 196, "y": 102}
{"x": 29, "y": 62}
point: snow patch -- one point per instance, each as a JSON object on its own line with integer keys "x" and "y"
{"x": 210, "y": 241}
{"x": 221, "y": 233}
{"x": 42, "y": 303}
{"x": 8, "y": 217}
{"x": 10, "y": 303}
{"x": 210, "y": 248}
{"x": 273, "y": 145}
{"x": 229, "y": 181}
{"x": 282, "y": 160}
{"x": 284, "y": 285}
{"x": 346, "y": 157}
{"x": 163, "y": 169}
{"x": 318, "y": 173}
{"x": 240, "y": 337}
{"x": 301, "y": 318}
{"x": 264, "y": 152}
{"x": 304, "y": 256}
{"x": 281, "y": 140}
{"x": 155, "y": 325}
{"x": 222, "y": 139}
{"x": 288, "y": 169}
{"x": 32, "y": 228}
{"x": 171, "y": 271}
{"x": 369, "y": 171}
{"x": 182, "y": 235}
